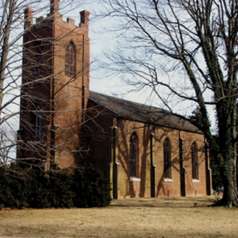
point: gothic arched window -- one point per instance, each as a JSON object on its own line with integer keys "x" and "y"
{"x": 133, "y": 155}
{"x": 195, "y": 165}
{"x": 70, "y": 60}
{"x": 38, "y": 125}
{"x": 167, "y": 158}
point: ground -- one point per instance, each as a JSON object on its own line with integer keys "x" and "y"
{"x": 130, "y": 218}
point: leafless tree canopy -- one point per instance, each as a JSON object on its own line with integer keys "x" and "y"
{"x": 197, "y": 38}
{"x": 11, "y": 53}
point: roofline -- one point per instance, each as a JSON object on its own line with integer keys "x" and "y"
{"x": 150, "y": 123}
{"x": 161, "y": 126}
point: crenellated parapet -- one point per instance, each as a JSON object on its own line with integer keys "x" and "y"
{"x": 54, "y": 15}
{"x": 28, "y": 18}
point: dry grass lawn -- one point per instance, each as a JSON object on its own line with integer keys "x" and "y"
{"x": 124, "y": 218}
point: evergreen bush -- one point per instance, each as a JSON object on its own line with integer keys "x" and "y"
{"x": 34, "y": 188}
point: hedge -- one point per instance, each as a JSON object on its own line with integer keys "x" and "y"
{"x": 34, "y": 188}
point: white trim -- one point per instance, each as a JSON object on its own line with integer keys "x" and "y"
{"x": 135, "y": 179}
{"x": 196, "y": 180}
{"x": 168, "y": 180}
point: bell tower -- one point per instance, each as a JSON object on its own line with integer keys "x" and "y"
{"x": 55, "y": 87}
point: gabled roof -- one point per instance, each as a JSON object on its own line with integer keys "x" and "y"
{"x": 142, "y": 113}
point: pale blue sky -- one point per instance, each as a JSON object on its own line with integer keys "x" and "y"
{"x": 103, "y": 41}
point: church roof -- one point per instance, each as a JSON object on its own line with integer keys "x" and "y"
{"x": 143, "y": 113}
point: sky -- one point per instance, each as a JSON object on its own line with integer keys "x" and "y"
{"x": 103, "y": 41}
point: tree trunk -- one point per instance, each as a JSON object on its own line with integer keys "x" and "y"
{"x": 10, "y": 8}
{"x": 227, "y": 136}
{"x": 230, "y": 188}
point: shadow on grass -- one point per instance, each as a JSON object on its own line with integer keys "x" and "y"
{"x": 165, "y": 202}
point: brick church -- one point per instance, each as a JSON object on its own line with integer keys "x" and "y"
{"x": 142, "y": 150}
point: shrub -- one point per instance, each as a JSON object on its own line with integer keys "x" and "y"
{"x": 56, "y": 188}
{"x": 92, "y": 189}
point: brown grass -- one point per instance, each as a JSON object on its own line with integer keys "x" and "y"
{"x": 124, "y": 218}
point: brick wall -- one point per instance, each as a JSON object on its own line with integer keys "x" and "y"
{"x": 61, "y": 99}
{"x": 64, "y": 101}
{"x": 163, "y": 187}
{"x": 70, "y": 94}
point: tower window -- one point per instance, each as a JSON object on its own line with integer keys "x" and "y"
{"x": 38, "y": 126}
{"x": 167, "y": 159}
{"x": 133, "y": 155}
{"x": 195, "y": 165}
{"x": 70, "y": 60}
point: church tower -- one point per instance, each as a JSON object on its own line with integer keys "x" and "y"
{"x": 55, "y": 88}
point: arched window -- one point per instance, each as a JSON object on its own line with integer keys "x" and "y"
{"x": 133, "y": 155}
{"x": 167, "y": 159}
{"x": 38, "y": 125}
{"x": 70, "y": 60}
{"x": 195, "y": 166}
{"x": 36, "y": 118}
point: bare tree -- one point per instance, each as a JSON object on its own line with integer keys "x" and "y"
{"x": 11, "y": 27}
{"x": 15, "y": 82}
{"x": 197, "y": 39}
